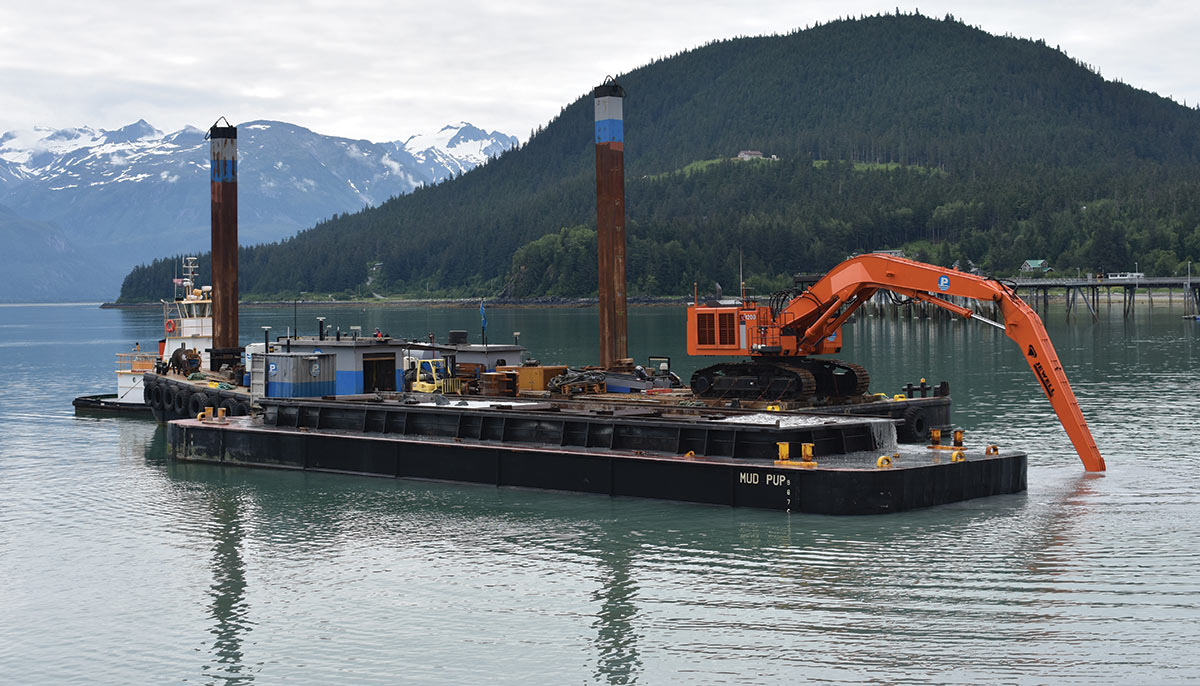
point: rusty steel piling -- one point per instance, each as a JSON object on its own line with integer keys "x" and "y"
{"x": 610, "y": 221}
{"x": 223, "y": 148}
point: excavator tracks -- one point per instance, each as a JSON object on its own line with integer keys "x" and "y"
{"x": 796, "y": 379}
{"x": 753, "y": 381}
{"x": 836, "y": 378}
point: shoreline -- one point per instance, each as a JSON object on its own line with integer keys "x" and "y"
{"x": 1142, "y": 296}
{"x": 644, "y": 301}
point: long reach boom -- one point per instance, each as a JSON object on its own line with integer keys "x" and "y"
{"x": 810, "y": 323}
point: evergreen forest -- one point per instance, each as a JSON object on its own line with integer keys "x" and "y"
{"x": 884, "y": 132}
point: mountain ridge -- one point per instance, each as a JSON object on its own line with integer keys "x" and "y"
{"x": 125, "y": 195}
{"x": 1038, "y": 157}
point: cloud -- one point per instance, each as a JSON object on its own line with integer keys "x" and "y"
{"x": 387, "y": 70}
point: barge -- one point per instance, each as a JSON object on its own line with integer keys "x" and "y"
{"x": 795, "y": 462}
{"x": 784, "y": 429}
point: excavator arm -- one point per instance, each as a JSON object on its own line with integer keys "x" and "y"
{"x": 816, "y": 315}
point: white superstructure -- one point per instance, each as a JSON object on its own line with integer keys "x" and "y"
{"x": 131, "y": 367}
{"x": 188, "y": 319}
{"x": 187, "y": 323}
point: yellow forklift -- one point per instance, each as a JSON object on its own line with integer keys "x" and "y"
{"x": 435, "y": 376}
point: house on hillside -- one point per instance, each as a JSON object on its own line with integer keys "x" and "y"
{"x": 1042, "y": 266}
{"x": 753, "y": 155}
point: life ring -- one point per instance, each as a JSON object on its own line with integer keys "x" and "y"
{"x": 170, "y": 326}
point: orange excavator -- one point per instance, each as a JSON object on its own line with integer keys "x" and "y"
{"x": 781, "y": 336}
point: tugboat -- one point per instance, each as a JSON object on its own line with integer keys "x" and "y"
{"x": 173, "y": 381}
{"x": 200, "y": 363}
{"x": 181, "y": 383}
{"x": 188, "y": 319}
{"x": 130, "y": 396}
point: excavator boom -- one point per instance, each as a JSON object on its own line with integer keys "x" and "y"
{"x": 810, "y": 324}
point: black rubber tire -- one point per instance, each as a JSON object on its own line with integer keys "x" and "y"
{"x": 147, "y": 391}
{"x": 156, "y": 397}
{"x": 181, "y": 402}
{"x": 242, "y": 409}
{"x": 197, "y": 402}
{"x": 230, "y": 405}
{"x": 169, "y": 393}
{"x": 916, "y": 425}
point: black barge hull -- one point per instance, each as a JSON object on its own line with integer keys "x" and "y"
{"x": 676, "y": 459}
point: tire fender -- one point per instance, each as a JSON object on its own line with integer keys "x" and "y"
{"x": 196, "y": 403}
{"x": 916, "y": 424}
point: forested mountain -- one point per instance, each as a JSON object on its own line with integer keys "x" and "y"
{"x": 890, "y": 131}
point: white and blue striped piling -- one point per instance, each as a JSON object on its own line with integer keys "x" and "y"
{"x": 610, "y": 221}
{"x": 223, "y": 153}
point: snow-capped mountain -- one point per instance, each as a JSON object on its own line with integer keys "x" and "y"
{"x": 129, "y": 195}
{"x": 458, "y": 147}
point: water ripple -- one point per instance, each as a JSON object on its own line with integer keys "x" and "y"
{"x": 122, "y": 566}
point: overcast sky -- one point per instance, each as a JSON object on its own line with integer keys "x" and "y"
{"x": 386, "y": 70}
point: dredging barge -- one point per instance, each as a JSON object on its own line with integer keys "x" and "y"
{"x": 850, "y": 457}
{"x": 817, "y": 442}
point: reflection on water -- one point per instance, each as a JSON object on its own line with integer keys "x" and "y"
{"x": 126, "y": 567}
{"x": 228, "y": 608}
{"x": 704, "y": 591}
{"x": 617, "y": 660}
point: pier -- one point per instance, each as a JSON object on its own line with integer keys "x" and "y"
{"x": 1087, "y": 289}
{"x": 1085, "y": 293}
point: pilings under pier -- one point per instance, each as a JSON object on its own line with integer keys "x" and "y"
{"x": 1078, "y": 296}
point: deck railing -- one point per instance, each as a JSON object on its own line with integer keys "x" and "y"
{"x": 139, "y": 361}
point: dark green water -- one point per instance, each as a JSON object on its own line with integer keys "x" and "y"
{"x": 119, "y": 566}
